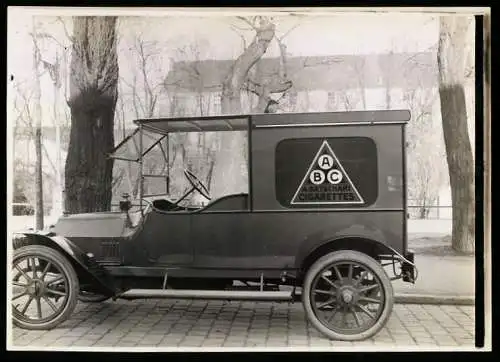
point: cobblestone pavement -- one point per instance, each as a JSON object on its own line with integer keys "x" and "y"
{"x": 187, "y": 324}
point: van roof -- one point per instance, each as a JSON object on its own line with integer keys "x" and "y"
{"x": 271, "y": 120}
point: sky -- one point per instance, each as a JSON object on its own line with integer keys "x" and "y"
{"x": 339, "y": 33}
{"x": 312, "y": 35}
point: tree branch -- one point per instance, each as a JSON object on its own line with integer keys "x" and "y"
{"x": 280, "y": 39}
{"x": 252, "y": 25}
{"x": 70, "y": 38}
{"x": 243, "y": 40}
{"x": 268, "y": 87}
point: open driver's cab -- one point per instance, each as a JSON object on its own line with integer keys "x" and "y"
{"x": 147, "y": 149}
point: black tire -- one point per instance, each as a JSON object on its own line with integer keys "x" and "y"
{"x": 89, "y": 297}
{"x": 36, "y": 288}
{"x": 346, "y": 295}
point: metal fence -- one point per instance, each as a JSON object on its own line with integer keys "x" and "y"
{"x": 430, "y": 212}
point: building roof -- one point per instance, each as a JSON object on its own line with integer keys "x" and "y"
{"x": 400, "y": 70}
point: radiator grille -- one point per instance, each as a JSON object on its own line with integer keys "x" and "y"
{"x": 110, "y": 252}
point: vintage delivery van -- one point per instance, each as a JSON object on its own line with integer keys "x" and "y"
{"x": 323, "y": 221}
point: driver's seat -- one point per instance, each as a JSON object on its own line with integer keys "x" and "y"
{"x": 168, "y": 206}
{"x": 165, "y": 205}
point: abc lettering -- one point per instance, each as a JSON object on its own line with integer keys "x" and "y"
{"x": 326, "y": 181}
{"x": 334, "y": 176}
{"x": 325, "y": 163}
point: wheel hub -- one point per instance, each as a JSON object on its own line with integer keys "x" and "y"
{"x": 347, "y": 295}
{"x": 36, "y": 288}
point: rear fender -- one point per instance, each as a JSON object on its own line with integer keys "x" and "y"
{"x": 88, "y": 270}
{"x": 370, "y": 241}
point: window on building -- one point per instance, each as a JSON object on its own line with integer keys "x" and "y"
{"x": 217, "y": 103}
{"x": 330, "y": 103}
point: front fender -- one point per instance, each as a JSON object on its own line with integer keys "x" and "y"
{"x": 85, "y": 265}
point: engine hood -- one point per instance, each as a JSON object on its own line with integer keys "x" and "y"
{"x": 90, "y": 225}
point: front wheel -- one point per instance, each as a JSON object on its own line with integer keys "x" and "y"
{"x": 44, "y": 287}
{"x": 347, "y": 296}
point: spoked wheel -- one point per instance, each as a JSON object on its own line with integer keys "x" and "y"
{"x": 347, "y": 296}
{"x": 44, "y": 287}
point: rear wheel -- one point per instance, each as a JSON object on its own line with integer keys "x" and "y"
{"x": 44, "y": 287}
{"x": 347, "y": 295}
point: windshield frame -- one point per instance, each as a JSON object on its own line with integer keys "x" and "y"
{"x": 200, "y": 124}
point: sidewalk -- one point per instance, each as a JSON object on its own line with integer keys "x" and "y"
{"x": 443, "y": 275}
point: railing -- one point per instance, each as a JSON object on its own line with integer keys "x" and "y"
{"x": 22, "y": 208}
{"x": 432, "y": 212}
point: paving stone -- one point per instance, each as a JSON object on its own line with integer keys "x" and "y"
{"x": 250, "y": 324}
{"x": 465, "y": 341}
{"x": 191, "y": 343}
{"x": 444, "y": 339}
{"x": 403, "y": 341}
{"x": 42, "y": 342}
{"x": 417, "y": 329}
{"x": 107, "y": 341}
{"x": 65, "y": 341}
{"x": 171, "y": 340}
{"x": 125, "y": 344}
{"x": 235, "y": 339}
{"x": 84, "y": 343}
{"x": 196, "y": 334}
{"x": 233, "y": 344}
{"x": 424, "y": 340}
{"x": 158, "y": 332}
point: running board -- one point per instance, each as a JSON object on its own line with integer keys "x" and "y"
{"x": 206, "y": 294}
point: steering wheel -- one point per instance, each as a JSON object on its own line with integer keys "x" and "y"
{"x": 197, "y": 184}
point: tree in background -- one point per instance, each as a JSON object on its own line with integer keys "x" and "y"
{"x": 93, "y": 94}
{"x": 358, "y": 68}
{"x": 140, "y": 96}
{"x": 198, "y": 149}
{"x": 24, "y": 106}
{"x": 58, "y": 48}
{"x": 451, "y": 64}
{"x": 49, "y": 55}
{"x": 38, "y": 132}
{"x": 230, "y": 173}
{"x": 426, "y": 168}
{"x": 145, "y": 93}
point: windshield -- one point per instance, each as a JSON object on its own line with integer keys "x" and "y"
{"x": 129, "y": 148}
{"x": 160, "y": 171}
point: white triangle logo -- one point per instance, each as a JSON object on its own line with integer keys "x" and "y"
{"x": 326, "y": 182}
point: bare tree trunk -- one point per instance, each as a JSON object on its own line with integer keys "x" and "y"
{"x": 230, "y": 171}
{"x": 388, "y": 83}
{"x": 93, "y": 95}
{"x": 55, "y": 73}
{"x": 38, "y": 135}
{"x": 266, "y": 87}
{"x": 231, "y": 88}
{"x": 359, "y": 70}
{"x": 451, "y": 61}
{"x": 388, "y": 95}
